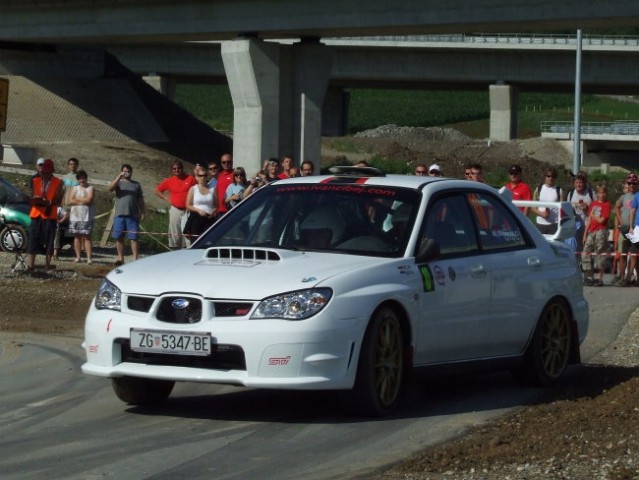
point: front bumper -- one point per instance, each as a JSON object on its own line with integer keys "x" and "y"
{"x": 316, "y": 353}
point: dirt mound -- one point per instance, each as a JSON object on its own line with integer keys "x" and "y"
{"x": 451, "y": 149}
{"x": 438, "y": 134}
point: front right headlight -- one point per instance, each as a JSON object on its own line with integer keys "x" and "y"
{"x": 298, "y": 305}
{"x": 108, "y": 296}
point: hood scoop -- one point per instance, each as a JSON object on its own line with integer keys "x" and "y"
{"x": 242, "y": 254}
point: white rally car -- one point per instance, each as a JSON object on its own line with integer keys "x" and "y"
{"x": 344, "y": 282}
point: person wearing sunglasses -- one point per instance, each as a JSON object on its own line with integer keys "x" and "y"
{"x": 520, "y": 189}
{"x": 224, "y": 179}
{"x": 213, "y": 170}
{"x": 174, "y": 191}
{"x": 421, "y": 170}
{"x": 548, "y": 191}
{"x": 201, "y": 204}
{"x": 235, "y": 191}
{"x": 623, "y": 225}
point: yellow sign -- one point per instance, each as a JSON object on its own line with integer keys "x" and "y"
{"x": 4, "y": 100}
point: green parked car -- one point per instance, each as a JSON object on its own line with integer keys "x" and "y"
{"x": 14, "y": 217}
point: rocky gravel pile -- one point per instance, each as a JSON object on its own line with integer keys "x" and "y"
{"x": 426, "y": 133}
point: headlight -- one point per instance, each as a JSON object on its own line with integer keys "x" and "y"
{"x": 294, "y": 305}
{"x": 108, "y": 296}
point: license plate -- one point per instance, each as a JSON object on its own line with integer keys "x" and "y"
{"x": 177, "y": 343}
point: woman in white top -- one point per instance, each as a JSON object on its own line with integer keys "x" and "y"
{"x": 81, "y": 216}
{"x": 547, "y": 218}
{"x": 201, "y": 203}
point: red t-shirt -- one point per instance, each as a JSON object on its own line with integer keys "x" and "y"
{"x": 224, "y": 179}
{"x": 599, "y": 209}
{"x": 521, "y": 191}
{"x": 178, "y": 189}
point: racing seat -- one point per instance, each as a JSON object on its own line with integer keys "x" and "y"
{"x": 322, "y": 228}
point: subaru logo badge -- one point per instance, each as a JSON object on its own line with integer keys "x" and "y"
{"x": 180, "y": 304}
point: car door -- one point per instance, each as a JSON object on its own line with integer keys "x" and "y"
{"x": 455, "y": 298}
{"x": 516, "y": 274}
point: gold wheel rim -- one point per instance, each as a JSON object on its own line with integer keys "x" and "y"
{"x": 388, "y": 361}
{"x": 555, "y": 340}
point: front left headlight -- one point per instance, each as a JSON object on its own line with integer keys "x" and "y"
{"x": 108, "y": 296}
{"x": 298, "y": 305}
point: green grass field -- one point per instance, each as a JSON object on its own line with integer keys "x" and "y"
{"x": 466, "y": 111}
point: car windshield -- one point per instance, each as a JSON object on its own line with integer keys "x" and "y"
{"x": 340, "y": 218}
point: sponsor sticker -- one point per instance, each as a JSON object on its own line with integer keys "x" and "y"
{"x": 405, "y": 270}
{"x": 452, "y": 274}
{"x": 427, "y": 278}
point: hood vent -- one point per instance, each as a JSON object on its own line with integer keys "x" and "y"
{"x": 240, "y": 254}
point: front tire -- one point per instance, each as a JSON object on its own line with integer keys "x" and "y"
{"x": 13, "y": 238}
{"x": 549, "y": 352}
{"x": 381, "y": 367}
{"x": 142, "y": 391}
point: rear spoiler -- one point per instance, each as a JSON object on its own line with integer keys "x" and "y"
{"x": 567, "y": 227}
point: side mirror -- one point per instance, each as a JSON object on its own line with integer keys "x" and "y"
{"x": 428, "y": 249}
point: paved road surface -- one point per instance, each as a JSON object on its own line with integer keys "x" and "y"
{"x": 57, "y": 423}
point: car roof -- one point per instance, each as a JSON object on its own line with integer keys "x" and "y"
{"x": 363, "y": 176}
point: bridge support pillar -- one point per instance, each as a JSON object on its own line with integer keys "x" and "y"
{"x": 165, "y": 85}
{"x": 503, "y": 112}
{"x": 304, "y": 75}
{"x": 253, "y": 74}
{"x": 335, "y": 112}
{"x": 278, "y": 92}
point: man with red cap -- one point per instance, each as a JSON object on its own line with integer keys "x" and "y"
{"x": 47, "y": 196}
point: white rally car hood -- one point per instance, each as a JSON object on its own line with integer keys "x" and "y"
{"x": 192, "y": 271}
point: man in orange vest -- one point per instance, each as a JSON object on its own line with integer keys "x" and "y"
{"x": 47, "y": 197}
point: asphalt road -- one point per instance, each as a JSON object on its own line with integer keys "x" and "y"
{"x": 56, "y": 422}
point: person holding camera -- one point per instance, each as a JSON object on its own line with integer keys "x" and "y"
{"x": 235, "y": 191}
{"x": 129, "y": 212}
{"x": 256, "y": 182}
{"x": 47, "y": 197}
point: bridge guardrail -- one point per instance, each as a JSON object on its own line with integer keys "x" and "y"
{"x": 595, "y": 128}
{"x": 503, "y": 38}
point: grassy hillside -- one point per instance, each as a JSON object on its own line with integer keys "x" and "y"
{"x": 466, "y": 111}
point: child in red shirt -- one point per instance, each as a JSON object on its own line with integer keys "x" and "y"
{"x": 596, "y": 238}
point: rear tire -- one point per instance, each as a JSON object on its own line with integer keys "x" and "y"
{"x": 381, "y": 367}
{"x": 13, "y": 238}
{"x": 142, "y": 391}
{"x": 550, "y": 349}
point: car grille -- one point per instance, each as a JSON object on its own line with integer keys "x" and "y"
{"x": 192, "y": 314}
{"x": 139, "y": 304}
{"x": 223, "y": 357}
{"x": 232, "y": 309}
{"x": 169, "y": 312}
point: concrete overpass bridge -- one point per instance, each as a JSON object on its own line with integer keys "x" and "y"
{"x": 507, "y": 62}
{"x": 278, "y": 90}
